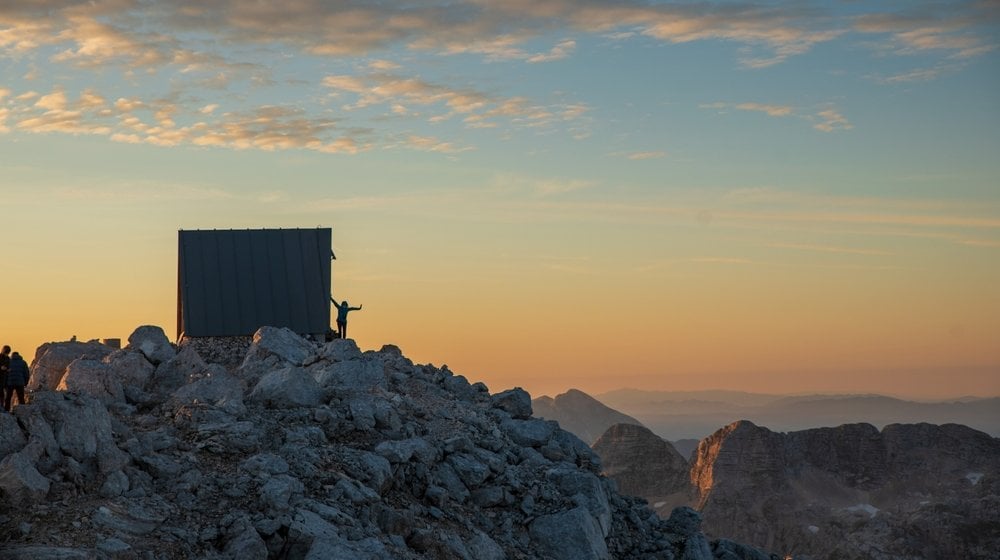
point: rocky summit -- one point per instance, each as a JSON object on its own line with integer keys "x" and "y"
{"x": 301, "y": 450}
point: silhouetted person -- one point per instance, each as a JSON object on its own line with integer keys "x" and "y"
{"x": 4, "y": 366}
{"x": 17, "y": 378}
{"x": 342, "y": 310}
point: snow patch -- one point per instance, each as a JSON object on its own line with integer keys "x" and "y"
{"x": 974, "y": 477}
{"x": 813, "y": 529}
{"x": 864, "y": 508}
{"x": 658, "y": 505}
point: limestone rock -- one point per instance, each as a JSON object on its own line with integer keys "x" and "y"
{"x": 217, "y": 388}
{"x": 569, "y": 535}
{"x": 20, "y": 481}
{"x": 281, "y": 342}
{"x": 341, "y": 350}
{"x": 287, "y": 388}
{"x": 178, "y": 370}
{"x": 51, "y": 360}
{"x": 11, "y": 437}
{"x": 516, "y": 401}
{"x": 353, "y": 375}
{"x": 152, "y": 342}
{"x": 94, "y": 378}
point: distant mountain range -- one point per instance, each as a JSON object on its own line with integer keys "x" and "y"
{"x": 579, "y": 413}
{"x": 851, "y": 492}
{"x": 825, "y": 483}
{"x": 696, "y": 414}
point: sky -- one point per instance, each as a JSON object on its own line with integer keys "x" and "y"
{"x": 777, "y": 196}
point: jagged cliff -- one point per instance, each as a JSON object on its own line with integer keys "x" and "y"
{"x": 304, "y": 451}
{"x": 911, "y": 491}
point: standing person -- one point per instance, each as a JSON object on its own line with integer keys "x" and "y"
{"x": 342, "y": 310}
{"x": 4, "y": 365}
{"x": 17, "y": 378}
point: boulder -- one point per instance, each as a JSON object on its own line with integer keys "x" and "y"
{"x": 516, "y": 401}
{"x": 281, "y": 342}
{"x": 569, "y": 535}
{"x": 178, "y": 370}
{"x": 529, "y": 433}
{"x": 217, "y": 388}
{"x": 80, "y": 425}
{"x": 52, "y": 358}
{"x": 287, "y": 388}
{"x": 130, "y": 368}
{"x": 353, "y": 375}
{"x": 11, "y": 437}
{"x": 153, "y": 343}
{"x": 94, "y": 378}
{"x": 20, "y": 481}
{"x": 340, "y": 350}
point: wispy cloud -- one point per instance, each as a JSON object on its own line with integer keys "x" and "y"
{"x": 646, "y": 155}
{"x": 771, "y": 110}
{"x": 477, "y": 109}
{"x": 826, "y": 120}
{"x": 830, "y": 120}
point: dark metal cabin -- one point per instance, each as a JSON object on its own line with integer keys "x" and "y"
{"x": 232, "y": 282}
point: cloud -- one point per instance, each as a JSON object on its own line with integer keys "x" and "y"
{"x": 771, "y": 110}
{"x": 99, "y": 44}
{"x": 477, "y": 109}
{"x": 951, "y": 32}
{"x": 831, "y": 121}
{"x": 646, "y": 155}
{"x": 431, "y": 144}
{"x": 558, "y": 52}
{"x": 825, "y": 120}
{"x": 115, "y": 31}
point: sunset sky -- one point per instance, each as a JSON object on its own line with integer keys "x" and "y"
{"x": 774, "y": 196}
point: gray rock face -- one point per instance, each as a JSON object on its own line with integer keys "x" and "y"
{"x": 516, "y": 402}
{"x": 94, "y": 378}
{"x": 569, "y": 535}
{"x": 153, "y": 343}
{"x": 349, "y": 455}
{"x": 20, "y": 481}
{"x": 52, "y": 359}
{"x": 851, "y": 492}
{"x": 281, "y": 342}
{"x": 287, "y": 388}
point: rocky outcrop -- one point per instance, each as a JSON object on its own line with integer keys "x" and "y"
{"x": 643, "y": 464}
{"x": 52, "y": 359}
{"x": 579, "y": 413}
{"x": 851, "y": 492}
{"x": 308, "y": 451}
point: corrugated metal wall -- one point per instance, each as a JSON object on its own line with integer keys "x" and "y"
{"x": 232, "y": 282}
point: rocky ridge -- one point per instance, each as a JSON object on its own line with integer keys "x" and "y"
{"x": 911, "y": 491}
{"x": 304, "y": 450}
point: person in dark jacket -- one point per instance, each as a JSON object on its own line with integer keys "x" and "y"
{"x": 17, "y": 378}
{"x": 4, "y": 365}
{"x": 342, "y": 310}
